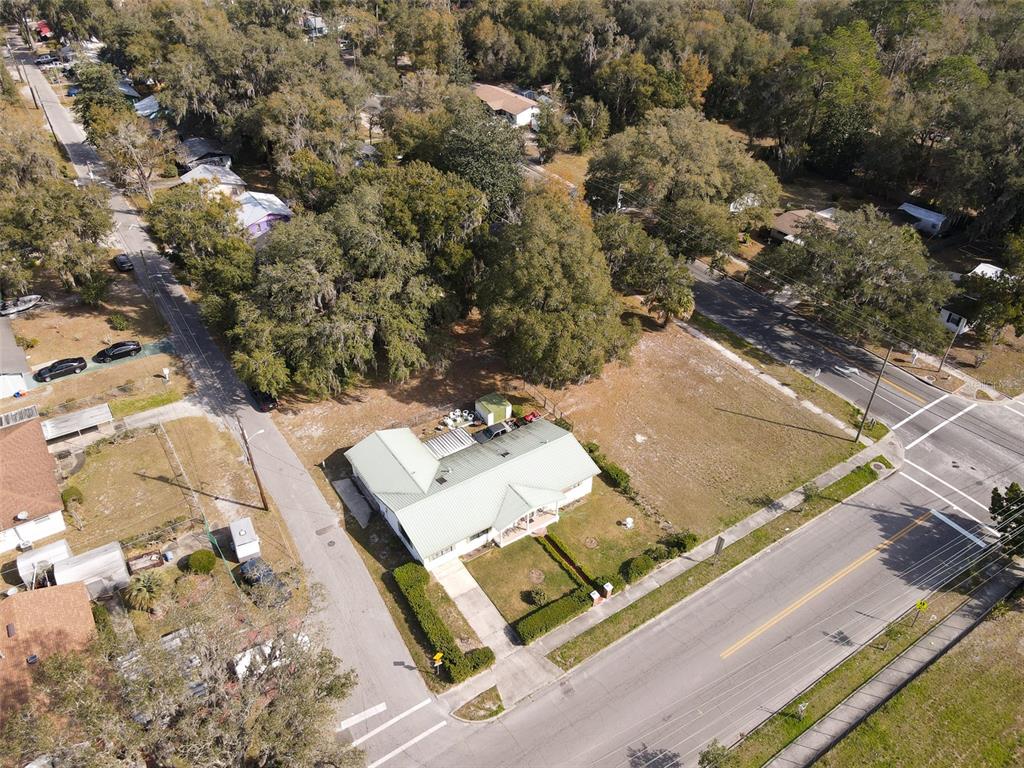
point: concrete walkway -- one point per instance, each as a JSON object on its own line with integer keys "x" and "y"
{"x": 476, "y": 606}
{"x": 823, "y": 735}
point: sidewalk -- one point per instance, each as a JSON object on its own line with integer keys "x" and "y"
{"x": 527, "y": 670}
{"x": 819, "y": 738}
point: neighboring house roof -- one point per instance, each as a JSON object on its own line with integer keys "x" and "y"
{"x": 39, "y": 559}
{"x": 488, "y": 485}
{"x": 104, "y": 565}
{"x": 502, "y": 99}
{"x": 126, "y": 88}
{"x": 741, "y": 203}
{"x": 44, "y": 622}
{"x": 147, "y": 107}
{"x": 197, "y": 147}
{"x": 217, "y": 174}
{"x": 791, "y": 223}
{"x": 923, "y": 214}
{"x": 27, "y": 482}
{"x": 12, "y": 357}
{"x": 987, "y": 270}
{"x": 256, "y": 206}
{"x": 77, "y": 421}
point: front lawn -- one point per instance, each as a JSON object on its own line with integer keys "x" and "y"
{"x": 593, "y": 533}
{"x": 508, "y": 574}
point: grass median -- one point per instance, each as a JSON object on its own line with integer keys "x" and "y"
{"x": 658, "y": 601}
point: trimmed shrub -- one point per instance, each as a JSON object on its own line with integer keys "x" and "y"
{"x": 536, "y": 597}
{"x": 119, "y": 321}
{"x": 618, "y": 583}
{"x": 658, "y": 552}
{"x": 71, "y": 495}
{"x": 636, "y": 568}
{"x": 202, "y": 561}
{"x": 680, "y": 543}
{"x": 518, "y": 411}
{"x": 412, "y": 579}
{"x": 614, "y": 474}
{"x": 566, "y": 425}
{"x": 554, "y": 614}
{"x": 25, "y": 342}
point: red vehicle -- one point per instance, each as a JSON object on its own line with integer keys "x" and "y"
{"x": 531, "y": 416}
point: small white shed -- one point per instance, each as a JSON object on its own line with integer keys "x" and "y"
{"x": 34, "y": 563}
{"x": 929, "y": 222}
{"x": 493, "y": 408}
{"x": 244, "y": 539}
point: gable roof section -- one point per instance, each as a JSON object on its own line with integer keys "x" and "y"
{"x": 198, "y": 147}
{"x": 488, "y": 485}
{"x": 218, "y": 174}
{"x": 256, "y": 206}
{"x": 502, "y": 99}
{"x": 27, "y": 482}
{"x": 46, "y": 621}
{"x": 393, "y": 461}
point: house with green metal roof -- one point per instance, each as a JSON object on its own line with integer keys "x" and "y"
{"x": 443, "y": 505}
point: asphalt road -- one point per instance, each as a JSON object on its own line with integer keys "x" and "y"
{"x": 722, "y": 661}
{"x": 391, "y": 705}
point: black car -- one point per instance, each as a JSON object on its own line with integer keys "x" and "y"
{"x": 118, "y": 350}
{"x": 64, "y": 367}
{"x": 264, "y": 402}
{"x": 264, "y": 585}
{"x": 500, "y": 428}
{"x": 123, "y": 263}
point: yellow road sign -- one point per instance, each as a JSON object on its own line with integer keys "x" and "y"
{"x": 438, "y": 656}
{"x": 922, "y": 605}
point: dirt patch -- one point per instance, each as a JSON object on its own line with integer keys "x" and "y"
{"x": 718, "y": 446}
{"x": 536, "y": 576}
{"x": 590, "y": 542}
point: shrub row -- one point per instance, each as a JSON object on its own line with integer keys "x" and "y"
{"x": 616, "y": 475}
{"x": 668, "y": 548}
{"x": 554, "y": 614}
{"x": 636, "y": 568}
{"x": 679, "y": 543}
{"x": 412, "y": 580}
{"x": 560, "y": 544}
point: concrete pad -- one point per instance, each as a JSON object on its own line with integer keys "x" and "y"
{"x": 522, "y": 673}
{"x": 353, "y": 500}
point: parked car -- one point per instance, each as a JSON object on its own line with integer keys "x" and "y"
{"x": 19, "y": 305}
{"x": 73, "y": 90}
{"x": 123, "y": 263}
{"x": 64, "y": 367}
{"x": 46, "y": 59}
{"x": 261, "y": 579}
{"x": 493, "y": 431}
{"x": 264, "y": 402}
{"x": 118, "y": 350}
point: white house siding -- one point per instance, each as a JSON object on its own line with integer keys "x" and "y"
{"x": 32, "y": 530}
{"x": 523, "y": 119}
{"x": 578, "y": 492}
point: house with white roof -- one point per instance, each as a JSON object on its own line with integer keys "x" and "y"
{"x": 219, "y": 180}
{"x": 445, "y": 501}
{"x": 924, "y": 220}
{"x": 259, "y": 211}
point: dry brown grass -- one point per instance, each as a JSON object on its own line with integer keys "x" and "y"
{"x": 703, "y": 441}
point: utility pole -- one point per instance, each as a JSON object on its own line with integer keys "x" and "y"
{"x": 248, "y": 455}
{"x": 871, "y": 399}
{"x": 959, "y": 329}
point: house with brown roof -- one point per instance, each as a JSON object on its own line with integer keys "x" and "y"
{"x": 35, "y": 625}
{"x": 30, "y": 505}
{"x": 518, "y": 110}
{"x": 787, "y": 226}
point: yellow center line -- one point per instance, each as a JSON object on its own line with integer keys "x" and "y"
{"x": 840, "y": 574}
{"x": 905, "y": 391}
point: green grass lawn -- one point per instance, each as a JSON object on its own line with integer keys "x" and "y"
{"x": 619, "y": 624}
{"x": 508, "y": 573}
{"x": 485, "y": 706}
{"x": 121, "y": 408}
{"x": 592, "y": 532}
{"x": 964, "y": 710}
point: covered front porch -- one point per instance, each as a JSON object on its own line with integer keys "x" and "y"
{"x": 533, "y": 521}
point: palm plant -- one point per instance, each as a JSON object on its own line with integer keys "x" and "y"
{"x": 144, "y": 591}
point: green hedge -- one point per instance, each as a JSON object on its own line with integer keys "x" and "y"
{"x": 680, "y": 543}
{"x": 71, "y": 494}
{"x": 554, "y": 614}
{"x": 637, "y": 567}
{"x": 412, "y": 579}
{"x": 202, "y": 561}
{"x": 563, "y": 423}
{"x": 616, "y": 475}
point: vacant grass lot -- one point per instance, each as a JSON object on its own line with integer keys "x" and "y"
{"x": 964, "y": 710}
{"x": 593, "y": 533}
{"x": 702, "y": 440}
{"x": 509, "y": 573}
{"x": 1003, "y": 367}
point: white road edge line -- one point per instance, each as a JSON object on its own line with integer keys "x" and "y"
{"x": 937, "y": 427}
{"x": 366, "y": 714}
{"x": 389, "y": 723}
{"x": 939, "y": 479}
{"x": 964, "y": 512}
{"x": 1012, "y": 410}
{"x": 409, "y": 743}
{"x": 974, "y": 539}
{"x": 920, "y": 410}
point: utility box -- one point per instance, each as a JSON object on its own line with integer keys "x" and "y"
{"x": 244, "y": 539}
